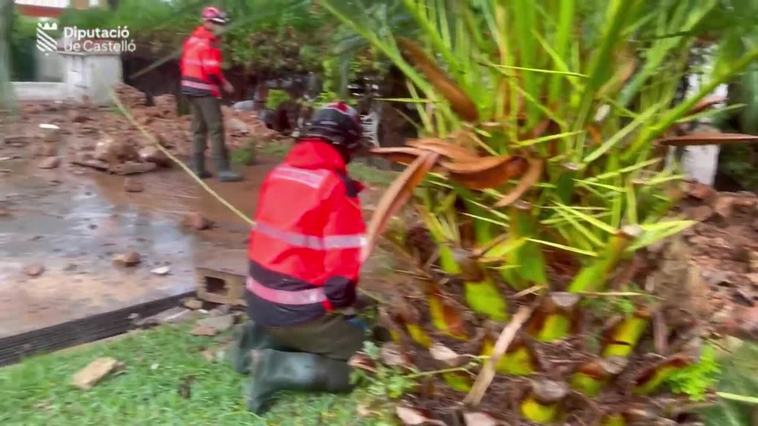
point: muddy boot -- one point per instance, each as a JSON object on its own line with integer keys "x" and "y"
{"x": 197, "y": 164}
{"x": 229, "y": 176}
{"x": 273, "y": 371}
{"x": 247, "y": 337}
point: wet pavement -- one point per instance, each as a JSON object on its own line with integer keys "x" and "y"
{"x": 72, "y": 221}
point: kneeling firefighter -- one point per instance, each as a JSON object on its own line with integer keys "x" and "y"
{"x": 305, "y": 258}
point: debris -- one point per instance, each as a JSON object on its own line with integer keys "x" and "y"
{"x": 151, "y": 154}
{"x": 170, "y": 316}
{"x": 77, "y": 116}
{"x": 16, "y": 141}
{"x": 392, "y": 355}
{"x": 50, "y": 163}
{"x": 220, "y": 310}
{"x": 479, "y": 419}
{"x": 219, "y": 324}
{"x": 413, "y": 417}
{"x": 131, "y": 258}
{"x": 203, "y": 330}
{"x": 742, "y": 297}
{"x": 701, "y": 191}
{"x": 197, "y": 221}
{"x": 724, "y": 205}
{"x": 132, "y": 168}
{"x": 192, "y": 303}
{"x": 700, "y": 213}
{"x": 442, "y": 353}
{"x": 34, "y": 270}
{"x": 185, "y": 387}
{"x": 163, "y": 270}
{"x": 133, "y": 185}
{"x": 4, "y": 212}
{"x": 90, "y": 375}
{"x": 237, "y": 126}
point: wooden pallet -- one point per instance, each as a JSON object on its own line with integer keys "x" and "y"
{"x": 221, "y": 286}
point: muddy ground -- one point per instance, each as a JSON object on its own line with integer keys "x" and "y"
{"x": 61, "y": 224}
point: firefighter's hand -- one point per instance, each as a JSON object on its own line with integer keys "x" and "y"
{"x": 228, "y": 88}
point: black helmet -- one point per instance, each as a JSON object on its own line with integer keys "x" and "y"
{"x": 337, "y": 122}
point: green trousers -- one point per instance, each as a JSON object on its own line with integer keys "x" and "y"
{"x": 207, "y": 121}
{"x": 330, "y": 336}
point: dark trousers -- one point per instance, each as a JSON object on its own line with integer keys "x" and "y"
{"x": 207, "y": 120}
{"x": 331, "y": 336}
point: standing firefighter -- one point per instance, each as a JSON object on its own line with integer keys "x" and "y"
{"x": 202, "y": 80}
{"x": 305, "y": 258}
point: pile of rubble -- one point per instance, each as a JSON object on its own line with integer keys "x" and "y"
{"x": 103, "y": 139}
{"x": 717, "y": 259}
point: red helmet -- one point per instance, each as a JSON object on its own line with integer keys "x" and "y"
{"x": 338, "y": 123}
{"x": 215, "y": 15}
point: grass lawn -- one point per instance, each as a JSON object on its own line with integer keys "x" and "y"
{"x": 739, "y": 375}
{"x": 147, "y": 392}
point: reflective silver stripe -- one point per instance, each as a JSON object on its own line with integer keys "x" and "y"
{"x": 309, "y": 178}
{"x": 210, "y": 63}
{"x": 197, "y": 85}
{"x": 311, "y": 241}
{"x": 283, "y": 297}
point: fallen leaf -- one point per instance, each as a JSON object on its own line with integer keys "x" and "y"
{"x": 400, "y": 154}
{"x": 393, "y": 356}
{"x": 442, "y": 353}
{"x": 413, "y": 417}
{"x": 445, "y": 149}
{"x": 479, "y": 419}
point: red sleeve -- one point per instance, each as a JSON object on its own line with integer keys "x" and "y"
{"x": 344, "y": 237}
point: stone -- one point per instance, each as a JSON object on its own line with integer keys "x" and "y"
{"x": 192, "y": 303}
{"x": 133, "y": 185}
{"x": 128, "y": 259}
{"x": 237, "y": 126}
{"x": 50, "y": 163}
{"x": 197, "y": 222}
{"x": 93, "y": 373}
{"x": 174, "y": 315}
{"x": 220, "y": 324}
{"x": 203, "y": 330}
{"x": 34, "y": 270}
{"x": 742, "y": 297}
{"x": 701, "y": 191}
{"x": 479, "y": 419}
{"x": 699, "y": 213}
{"x": 220, "y": 310}
{"x": 163, "y": 270}
{"x": 132, "y": 168}
{"x": 724, "y": 206}
{"x": 151, "y": 154}
{"x": 77, "y": 116}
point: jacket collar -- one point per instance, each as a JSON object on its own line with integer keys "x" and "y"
{"x": 314, "y": 153}
{"x": 202, "y": 32}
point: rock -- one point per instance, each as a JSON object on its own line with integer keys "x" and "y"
{"x": 192, "y": 303}
{"x": 724, "y": 206}
{"x": 244, "y": 106}
{"x": 133, "y": 185}
{"x": 700, "y": 191}
{"x": 197, "y": 222}
{"x": 203, "y": 330}
{"x": 115, "y": 151}
{"x": 90, "y": 375}
{"x": 479, "y": 419}
{"x": 753, "y": 278}
{"x": 220, "y": 310}
{"x": 50, "y": 163}
{"x": 131, "y": 258}
{"x": 720, "y": 278}
{"x": 219, "y": 324}
{"x": 45, "y": 151}
{"x": 742, "y": 297}
{"x": 132, "y": 168}
{"x": 170, "y": 316}
{"x": 163, "y": 270}
{"x": 34, "y": 270}
{"x": 75, "y": 116}
{"x": 151, "y": 154}
{"x": 699, "y": 213}
{"x": 742, "y": 323}
{"x": 237, "y": 126}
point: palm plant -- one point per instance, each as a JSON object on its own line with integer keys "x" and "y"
{"x": 539, "y": 174}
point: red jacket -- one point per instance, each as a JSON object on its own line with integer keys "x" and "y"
{"x": 305, "y": 248}
{"x": 201, "y": 64}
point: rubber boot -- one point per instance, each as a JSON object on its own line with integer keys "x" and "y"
{"x": 224, "y": 171}
{"x": 197, "y": 164}
{"x": 247, "y": 337}
{"x": 274, "y": 371}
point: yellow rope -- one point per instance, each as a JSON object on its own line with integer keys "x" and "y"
{"x": 173, "y": 158}
{"x": 202, "y": 184}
